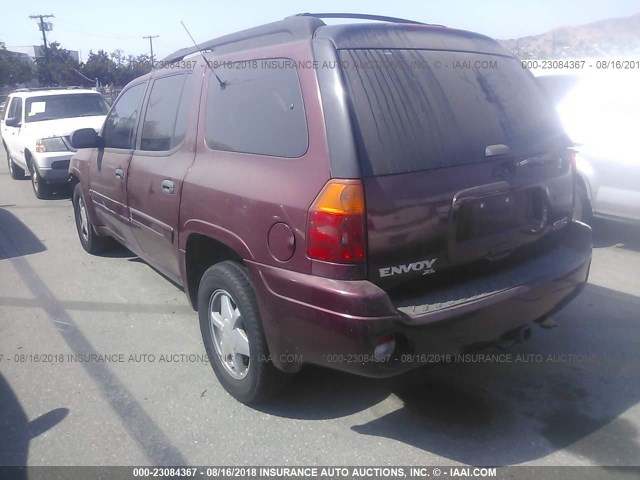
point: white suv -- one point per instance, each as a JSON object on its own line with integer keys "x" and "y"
{"x": 600, "y": 110}
{"x": 36, "y": 126}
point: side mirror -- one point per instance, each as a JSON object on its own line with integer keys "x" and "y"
{"x": 86, "y": 138}
{"x": 12, "y": 122}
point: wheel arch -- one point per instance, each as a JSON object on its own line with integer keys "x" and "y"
{"x": 201, "y": 251}
{"x": 27, "y": 157}
{"x": 584, "y": 181}
{"x": 73, "y": 179}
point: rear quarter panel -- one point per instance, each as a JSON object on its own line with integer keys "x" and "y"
{"x": 236, "y": 198}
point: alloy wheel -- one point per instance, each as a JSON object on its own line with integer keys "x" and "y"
{"x": 228, "y": 333}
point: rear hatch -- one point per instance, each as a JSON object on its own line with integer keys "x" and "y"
{"x": 462, "y": 157}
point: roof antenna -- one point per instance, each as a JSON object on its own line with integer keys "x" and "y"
{"x": 222, "y": 83}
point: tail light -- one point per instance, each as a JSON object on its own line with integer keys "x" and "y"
{"x": 335, "y": 229}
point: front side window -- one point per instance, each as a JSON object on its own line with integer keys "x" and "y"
{"x": 18, "y": 112}
{"x": 8, "y": 108}
{"x": 15, "y": 108}
{"x": 259, "y": 110}
{"x": 120, "y": 126}
{"x": 53, "y": 107}
{"x": 164, "y": 125}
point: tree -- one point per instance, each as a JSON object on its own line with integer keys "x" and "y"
{"x": 115, "y": 68}
{"x": 118, "y": 57}
{"x": 135, "y": 67}
{"x": 58, "y": 67}
{"x": 101, "y": 66}
{"x": 14, "y": 68}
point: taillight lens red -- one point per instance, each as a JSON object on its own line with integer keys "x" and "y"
{"x": 335, "y": 230}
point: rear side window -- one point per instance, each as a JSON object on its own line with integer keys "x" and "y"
{"x": 120, "y": 126}
{"x": 421, "y": 109}
{"x": 164, "y": 125}
{"x": 260, "y": 110}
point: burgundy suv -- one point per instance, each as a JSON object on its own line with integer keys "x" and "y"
{"x": 358, "y": 196}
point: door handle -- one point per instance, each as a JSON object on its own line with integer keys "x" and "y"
{"x": 168, "y": 187}
{"x": 119, "y": 173}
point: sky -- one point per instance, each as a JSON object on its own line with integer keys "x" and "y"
{"x": 121, "y": 24}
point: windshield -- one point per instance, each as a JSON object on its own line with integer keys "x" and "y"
{"x": 52, "y": 107}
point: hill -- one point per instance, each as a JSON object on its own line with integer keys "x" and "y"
{"x": 614, "y": 37}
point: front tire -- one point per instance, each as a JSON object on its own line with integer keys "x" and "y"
{"x": 232, "y": 333}
{"x": 15, "y": 171}
{"x": 40, "y": 186}
{"x": 90, "y": 240}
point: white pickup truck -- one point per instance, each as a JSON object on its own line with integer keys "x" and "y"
{"x": 36, "y": 125}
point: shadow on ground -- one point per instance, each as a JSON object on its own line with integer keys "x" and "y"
{"x": 607, "y": 233}
{"x": 510, "y": 412}
{"x": 16, "y": 239}
{"x": 17, "y": 430}
{"x": 59, "y": 192}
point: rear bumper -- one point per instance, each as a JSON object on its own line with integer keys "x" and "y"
{"x": 336, "y": 323}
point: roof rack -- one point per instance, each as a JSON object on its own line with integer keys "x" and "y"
{"x": 359, "y": 16}
{"x": 296, "y": 27}
{"x": 40, "y": 89}
{"x": 291, "y": 28}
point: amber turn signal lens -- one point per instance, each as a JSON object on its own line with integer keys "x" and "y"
{"x": 335, "y": 231}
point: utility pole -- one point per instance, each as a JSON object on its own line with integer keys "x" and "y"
{"x": 151, "y": 37}
{"x": 44, "y": 28}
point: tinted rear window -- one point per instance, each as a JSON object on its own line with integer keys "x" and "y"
{"x": 420, "y": 109}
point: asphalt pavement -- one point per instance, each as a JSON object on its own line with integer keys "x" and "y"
{"x": 101, "y": 363}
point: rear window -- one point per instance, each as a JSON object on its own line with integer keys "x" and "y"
{"x": 52, "y": 107}
{"x": 421, "y": 109}
{"x": 260, "y": 110}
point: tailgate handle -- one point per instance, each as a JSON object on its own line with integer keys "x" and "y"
{"x": 481, "y": 191}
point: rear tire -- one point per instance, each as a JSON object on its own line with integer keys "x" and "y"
{"x": 15, "y": 171}
{"x": 90, "y": 240}
{"x": 232, "y": 333}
